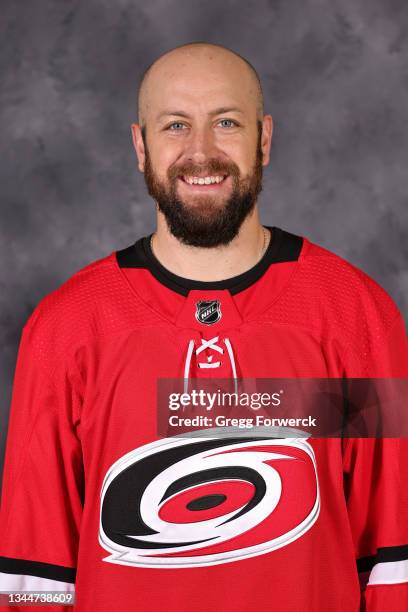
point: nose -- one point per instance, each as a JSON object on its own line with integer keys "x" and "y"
{"x": 200, "y": 145}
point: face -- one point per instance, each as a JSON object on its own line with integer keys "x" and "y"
{"x": 189, "y": 138}
{"x": 205, "y": 215}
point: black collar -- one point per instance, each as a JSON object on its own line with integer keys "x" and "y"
{"x": 283, "y": 247}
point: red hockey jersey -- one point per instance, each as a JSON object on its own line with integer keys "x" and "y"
{"x": 95, "y": 502}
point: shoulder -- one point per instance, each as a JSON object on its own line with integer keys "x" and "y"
{"x": 338, "y": 302}
{"x": 75, "y": 297}
{"x": 344, "y": 288}
{"x": 93, "y": 302}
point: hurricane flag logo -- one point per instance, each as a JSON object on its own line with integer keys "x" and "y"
{"x": 186, "y": 502}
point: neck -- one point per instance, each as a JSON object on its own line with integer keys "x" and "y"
{"x": 212, "y": 264}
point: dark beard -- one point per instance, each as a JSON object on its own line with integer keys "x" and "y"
{"x": 206, "y": 224}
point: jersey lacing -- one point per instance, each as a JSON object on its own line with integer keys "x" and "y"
{"x": 211, "y": 344}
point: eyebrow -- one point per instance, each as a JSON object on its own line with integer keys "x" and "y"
{"x": 217, "y": 111}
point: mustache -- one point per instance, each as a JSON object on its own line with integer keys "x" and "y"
{"x": 211, "y": 168}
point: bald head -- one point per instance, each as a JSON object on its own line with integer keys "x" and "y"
{"x": 200, "y": 59}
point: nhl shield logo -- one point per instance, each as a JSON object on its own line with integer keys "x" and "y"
{"x": 208, "y": 312}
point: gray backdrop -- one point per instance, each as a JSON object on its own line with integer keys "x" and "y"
{"x": 335, "y": 76}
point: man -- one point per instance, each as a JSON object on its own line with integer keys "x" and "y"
{"x": 95, "y": 499}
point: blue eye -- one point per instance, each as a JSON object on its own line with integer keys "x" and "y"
{"x": 175, "y": 123}
{"x": 230, "y": 120}
{"x": 171, "y": 127}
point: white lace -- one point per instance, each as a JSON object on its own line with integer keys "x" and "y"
{"x": 212, "y": 344}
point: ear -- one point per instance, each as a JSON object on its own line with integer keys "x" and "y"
{"x": 266, "y": 141}
{"x": 138, "y": 145}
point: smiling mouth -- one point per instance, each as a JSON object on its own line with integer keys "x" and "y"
{"x": 204, "y": 182}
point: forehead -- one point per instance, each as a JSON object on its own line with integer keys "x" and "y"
{"x": 200, "y": 84}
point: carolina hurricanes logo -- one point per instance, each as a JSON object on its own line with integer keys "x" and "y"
{"x": 185, "y": 502}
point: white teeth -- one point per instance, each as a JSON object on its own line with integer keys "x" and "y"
{"x": 208, "y": 180}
